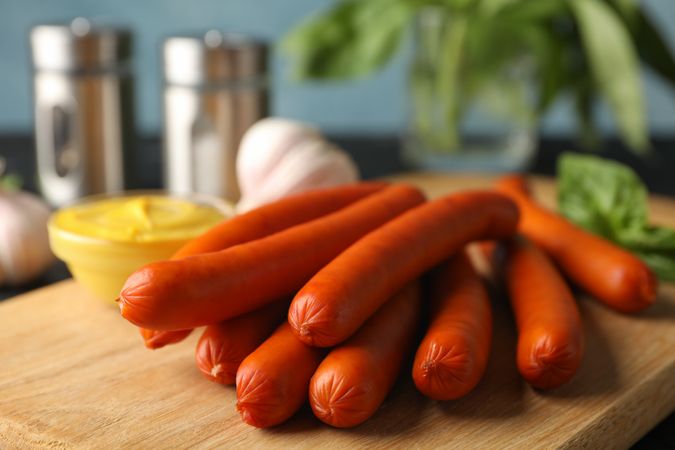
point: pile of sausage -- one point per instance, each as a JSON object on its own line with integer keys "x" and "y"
{"x": 317, "y": 296}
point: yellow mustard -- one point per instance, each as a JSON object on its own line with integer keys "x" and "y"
{"x": 138, "y": 219}
{"x": 104, "y": 240}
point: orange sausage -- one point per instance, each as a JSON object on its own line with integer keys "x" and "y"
{"x": 260, "y": 222}
{"x": 277, "y": 216}
{"x": 272, "y": 381}
{"x": 223, "y": 346}
{"x": 606, "y": 271}
{"x": 208, "y": 288}
{"x": 453, "y": 354}
{"x": 550, "y": 336}
{"x": 354, "y": 379}
{"x": 155, "y": 339}
{"x": 341, "y": 297}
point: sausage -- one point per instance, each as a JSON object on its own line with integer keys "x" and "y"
{"x": 354, "y": 379}
{"x": 453, "y": 354}
{"x": 208, "y": 288}
{"x": 263, "y": 221}
{"x": 604, "y": 270}
{"x": 155, "y": 339}
{"x": 223, "y": 346}
{"x": 277, "y": 216}
{"x": 342, "y": 295}
{"x": 272, "y": 382}
{"x": 550, "y": 336}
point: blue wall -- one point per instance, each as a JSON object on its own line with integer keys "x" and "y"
{"x": 375, "y": 105}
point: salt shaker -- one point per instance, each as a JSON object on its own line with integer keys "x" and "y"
{"x": 215, "y": 89}
{"x": 83, "y": 108}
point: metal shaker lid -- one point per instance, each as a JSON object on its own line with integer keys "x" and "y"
{"x": 79, "y": 45}
{"x": 212, "y": 58}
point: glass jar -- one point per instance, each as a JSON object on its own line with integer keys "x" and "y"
{"x": 459, "y": 120}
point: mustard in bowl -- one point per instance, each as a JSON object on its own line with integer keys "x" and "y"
{"x": 103, "y": 239}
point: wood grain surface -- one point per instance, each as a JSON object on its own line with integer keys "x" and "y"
{"x": 74, "y": 374}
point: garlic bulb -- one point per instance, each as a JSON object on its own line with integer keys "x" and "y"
{"x": 24, "y": 243}
{"x": 279, "y": 157}
{"x": 264, "y": 145}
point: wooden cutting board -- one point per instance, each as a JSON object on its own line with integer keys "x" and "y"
{"x": 73, "y": 374}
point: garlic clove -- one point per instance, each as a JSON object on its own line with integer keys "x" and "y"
{"x": 325, "y": 166}
{"x": 264, "y": 145}
{"x": 38, "y": 215}
{"x": 24, "y": 241}
{"x": 313, "y": 163}
{"x": 281, "y": 180}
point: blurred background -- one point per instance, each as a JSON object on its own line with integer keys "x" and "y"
{"x": 378, "y": 114}
{"x": 372, "y": 106}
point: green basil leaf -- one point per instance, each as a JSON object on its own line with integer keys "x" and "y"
{"x": 649, "y": 238}
{"x": 608, "y": 199}
{"x": 602, "y": 196}
{"x": 613, "y": 62}
{"x": 352, "y": 40}
{"x": 661, "y": 263}
{"x": 654, "y": 245}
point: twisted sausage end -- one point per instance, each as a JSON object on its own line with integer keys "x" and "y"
{"x": 337, "y": 402}
{"x": 443, "y": 373}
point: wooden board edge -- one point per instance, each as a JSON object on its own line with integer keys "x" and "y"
{"x": 645, "y": 398}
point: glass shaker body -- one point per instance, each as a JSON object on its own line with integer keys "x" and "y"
{"x": 83, "y": 109}
{"x": 213, "y": 93}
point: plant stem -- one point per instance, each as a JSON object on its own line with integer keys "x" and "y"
{"x": 448, "y": 78}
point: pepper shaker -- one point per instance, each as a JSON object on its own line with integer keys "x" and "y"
{"x": 215, "y": 89}
{"x": 83, "y": 108}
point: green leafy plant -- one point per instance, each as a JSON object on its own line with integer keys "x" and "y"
{"x": 608, "y": 199}
{"x": 590, "y": 49}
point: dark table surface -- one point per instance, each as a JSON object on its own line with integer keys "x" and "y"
{"x": 376, "y": 156}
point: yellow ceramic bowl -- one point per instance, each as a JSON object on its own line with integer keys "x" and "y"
{"x": 103, "y": 239}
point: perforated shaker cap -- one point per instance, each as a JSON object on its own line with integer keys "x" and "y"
{"x": 79, "y": 45}
{"x": 213, "y": 57}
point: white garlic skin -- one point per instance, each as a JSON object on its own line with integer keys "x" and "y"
{"x": 24, "y": 242}
{"x": 279, "y": 157}
{"x": 264, "y": 145}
